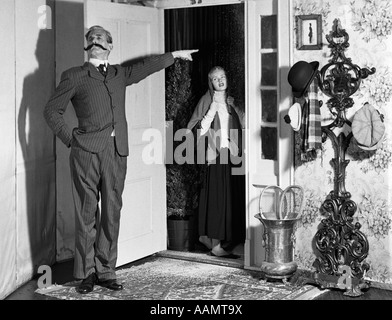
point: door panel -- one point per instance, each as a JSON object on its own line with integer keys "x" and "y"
{"x": 268, "y": 57}
{"x": 138, "y": 32}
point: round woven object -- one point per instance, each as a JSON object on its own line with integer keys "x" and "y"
{"x": 368, "y": 127}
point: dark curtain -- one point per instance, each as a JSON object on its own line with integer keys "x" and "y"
{"x": 218, "y": 33}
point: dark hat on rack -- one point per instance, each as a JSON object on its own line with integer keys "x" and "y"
{"x": 301, "y": 75}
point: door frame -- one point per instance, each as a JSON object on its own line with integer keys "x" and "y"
{"x": 179, "y": 4}
{"x": 261, "y": 172}
{"x": 283, "y": 168}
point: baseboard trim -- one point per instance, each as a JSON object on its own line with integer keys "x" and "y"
{"x": 380, "y": 285}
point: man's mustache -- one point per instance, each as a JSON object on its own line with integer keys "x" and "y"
{"x": 94, "y": 44}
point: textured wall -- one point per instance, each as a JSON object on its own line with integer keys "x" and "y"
{"x": 368, "y": 179}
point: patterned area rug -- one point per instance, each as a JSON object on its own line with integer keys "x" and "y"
{"x": 173, "y": 279}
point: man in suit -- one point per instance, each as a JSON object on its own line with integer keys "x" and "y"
{"x": 99, "y": 150}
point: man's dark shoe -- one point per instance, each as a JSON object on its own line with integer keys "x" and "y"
{"x": 110, "y": 284}
{"x": 87, "y": 284}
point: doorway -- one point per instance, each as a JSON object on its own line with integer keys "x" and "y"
{"x": 219, "y": 34}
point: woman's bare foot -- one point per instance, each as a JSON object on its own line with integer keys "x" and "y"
{"x": 206, "y": 241}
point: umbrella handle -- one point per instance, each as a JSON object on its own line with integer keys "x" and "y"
{"x": 276, "y": 205}
{"x": 301, "y": 197}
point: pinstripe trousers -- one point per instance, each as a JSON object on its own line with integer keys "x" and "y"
{"x": 97, "y": 176}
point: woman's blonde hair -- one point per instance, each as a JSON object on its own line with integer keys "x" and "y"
{"x": 216, "y": 68}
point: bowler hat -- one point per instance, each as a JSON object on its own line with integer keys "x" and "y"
{"x": 301, "y": 75}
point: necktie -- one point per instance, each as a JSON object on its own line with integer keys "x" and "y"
{"x": 102, "y": 69}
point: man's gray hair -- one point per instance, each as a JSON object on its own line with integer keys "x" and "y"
{"x": 94, "y": 28}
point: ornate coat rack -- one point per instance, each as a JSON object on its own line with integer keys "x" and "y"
{"x": 342, "y": 246}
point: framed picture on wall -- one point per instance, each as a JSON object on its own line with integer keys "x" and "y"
{"x": 309, "y": 32}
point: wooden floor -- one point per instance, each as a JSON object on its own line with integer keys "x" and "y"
{"x": 62, "y": 273}
{"x": 370, "y": 294}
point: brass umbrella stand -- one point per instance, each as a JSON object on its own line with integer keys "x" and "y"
{"x": 342, "y": 246}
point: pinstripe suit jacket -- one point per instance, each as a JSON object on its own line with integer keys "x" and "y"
{"x": 99, "y": 103}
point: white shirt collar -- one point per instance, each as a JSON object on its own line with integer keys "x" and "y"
{"x": 220, "y": 96}
{"x": 97, "y": 62}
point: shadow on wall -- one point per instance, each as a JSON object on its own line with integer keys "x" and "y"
{"x": 36, "y": 179}
{"x": 287, "y": 133}
{"x": 45, "y": 224}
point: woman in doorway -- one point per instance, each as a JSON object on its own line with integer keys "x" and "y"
{"x": 218, "y": 130}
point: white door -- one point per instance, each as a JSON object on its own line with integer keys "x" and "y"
{"x": 269, "y": 139}
{"x": 138, "y": 32}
